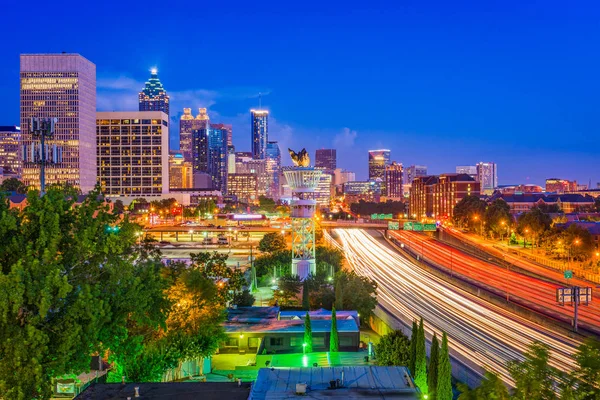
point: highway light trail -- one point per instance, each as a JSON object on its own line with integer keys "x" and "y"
{"x": 479, "y": 332}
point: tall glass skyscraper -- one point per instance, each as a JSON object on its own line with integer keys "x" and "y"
{"x": 378, "y": 160}
{"x": 10, "y": 136}
{"x": 61, "y": 86}
{"x": 260, "y": 133}
{"x": 153, "y": 96}
{"x": 487, "y": 175}
{"x": 326, "y": 158}
{"x": 187, "y": 125}
{"x": 273, "y": 169}
{"x": 217, "y": 156}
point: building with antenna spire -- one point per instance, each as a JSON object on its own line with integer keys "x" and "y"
{"x": 153, "y": 96}
{"x": 260, "y": 133}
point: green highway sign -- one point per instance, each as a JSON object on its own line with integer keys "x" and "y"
{"x": 429, "y": 227}
{"x": 419, "y": 227}
{"x": 382, "y": 216}
{"x": 393, "y": 225}
{"x": 568, "y": 274}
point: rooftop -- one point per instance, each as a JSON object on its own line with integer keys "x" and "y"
{"x": 167, "y": 391}
{"x": 290, "y": 326}
{"x": 252, "y": 314}
{"x": 359, "y": 382}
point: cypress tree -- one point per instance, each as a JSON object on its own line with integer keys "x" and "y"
{"x": 339, "y": 294}
{"x": 308, "y": 342}
{"x": 333, "y": 335}
{"x": 305, "y": 296}
{"x": 421, "y": 360}
{"x": 413, "y": 347}
{"x": 444, "y": 384}
{"x": 434, "y": 360}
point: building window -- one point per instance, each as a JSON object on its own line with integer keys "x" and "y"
{"x": 232, "y": 342}
{"x": 318, "y": 341}
{"x": 296, "y": 341}
{"x": 276, "y": 341}
{"x": 345, "y": 341}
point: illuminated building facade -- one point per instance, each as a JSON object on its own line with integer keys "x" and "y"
{"x": 180, "y": 172}
{"x": 153, "y": 96}
{"x": 10, "y": 161}
{"x": 362, "y": 190}
{"x": 414, "y": 171}
{"x": 393, "y": 180}
{"x": 487, "y": 175}
{"x": 243, "y": 187}
{"x": 326, "y": 158}
{"x": 186, "y": 126}
{"x": 436, "y": 196}
{"x": 560, "y": 186}
{"x": 378, "y": 160}
{"x": 133, "y": 153}
{"x": 470, "y": 170}
{"x": 341, "y": 176}
{"x": 260, "y": 133}
{"x": 273, "y": 170}
{"x": 61, "y": 86}
{"x": 322, "y": 193}
{"x": 217, "y": 156}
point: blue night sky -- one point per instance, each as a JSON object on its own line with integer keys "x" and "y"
{"x": 439, "y": 83}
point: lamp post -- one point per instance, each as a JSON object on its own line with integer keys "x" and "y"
{"x": 191, "y": 235}
{"x": 525, "y": 237}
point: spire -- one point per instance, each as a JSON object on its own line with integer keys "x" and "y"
{"x": 187, "y": 114}
{"x": 202, "y": 116}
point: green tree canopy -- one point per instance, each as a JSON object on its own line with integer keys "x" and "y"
{"x": 13, "y": 185}
{"x": 444, "y": 384}
{"x": 267, "y": 204}
{"x": 70, "y": 287}
{"x": 533, "y": 224}
{"x": 272, "y": 242}
{"x": 578, "y": 241}
{"x": 587, "y": 373}
{"x": 421, "y": 360}
{"x": 412, "y": 361}
{"x": 214, "y": 266}
{"x": 333, "y": 336}
{"x": 244, "y": 298}
{"x": 467, "y": 210}
{"x": 358, "y": 293}
{"x": 497, "y": 218}
{"x": 534, "y": 377}
{"x": 491, "y": 388}
{"x": 393, "y": 349}
{"x": 434, "y": 360}
{"x": 308, "y": 339}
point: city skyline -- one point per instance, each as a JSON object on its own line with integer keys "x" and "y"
{"x": 483, "y": 111}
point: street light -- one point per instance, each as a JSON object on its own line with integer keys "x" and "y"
{"x": 525, "y": 237}
{"x": 191, "y": 235}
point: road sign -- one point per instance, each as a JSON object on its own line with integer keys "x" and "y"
{"x": 585, "y": 295}
{"x": 393, "y": 225}
{"x": 419, "y": 227}
{"x": 568, "y": 274}
{"x": 564, "y": 295}
{"x": 574, "y": 295}
{"x": 429, "y": 227}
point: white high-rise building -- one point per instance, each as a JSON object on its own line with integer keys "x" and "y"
{"x": 487, "y": 175}
{"x": 61, "y": 86}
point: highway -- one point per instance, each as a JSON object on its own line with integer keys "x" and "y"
{"x": 530, "y": 292}
{"x": 480, "y": 333}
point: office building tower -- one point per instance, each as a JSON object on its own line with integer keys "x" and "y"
{"x": 434, "y": 197}
{"x": 10, "y": 161}
{"x": 61, "y": 86}
{"x": 153, "y": 96}
{"x": 414, "y": 171}
{"x": 378, "y": 160}
{"x": 327, "y": 159}
{"x": 323, "y": 191}
{"x": 341, "y": 176}
{"x": 230, "y": 160}
{"x": 273, "y": 169}
{"x": 260, "y": 133}
{"x": 355, "y": 191}
{"x": 560, "y": 186}
{"x": 217, "y": 156}
{"x": 243, "y": 187}
{"x": 180, "y": 172}
{"x": 186, "y": 126}
{"x": 470, "y": 170}
{"x": 487, "y": 176}
{"x": 133, "y": 153}
{"x": 393, "y": 180}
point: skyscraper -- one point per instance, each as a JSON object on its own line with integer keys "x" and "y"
{"x": 414, "y": 171}
{"x": 217, "y": 156}
{"x": 393, "y": 180}
{"x": 487, "y": 176}
{"x": 133, "y": 153}
{"x": 470, "y": 170}
{"x": 260, "y": 133}
{"x": 153, "y": 96}
{"x": 186, "y": 126}
{"x": 61, "y": 86}
{"x": 10, "y": 137}
{"x": 273, "y": 169}
{"x": 326, "y": 158}
{"x": 378, "y": 160}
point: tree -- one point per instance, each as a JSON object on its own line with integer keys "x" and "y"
{"x": 393, "y": 349}
{"x": 13, "y": 185}
{"x": 329, "y": 260}
{"x": 213, "y": 266}
{"x": 532, "y": 225}
{"x": 266, "y": 264}
{"x": 444, "y": 384}
{"x": 118, "y": 207}
{"x": 266, "y": 204}
{"x": 588, "y": 369}
{"x": 243, "y": 298}
{"x": 434, "y": 360}
{"x": 289, "y": 289}
{"x": 272, "y": 243}
{"x": 578, "y": 242}
{"x": 308, "y": 340}
{"x": 491, "y": 388}
{"x": 305, "y": 296}
{"x": 70, "y": 288}
{"x": 421, "y": 360}
{"x": 339, "y": 294}
{"x": 467, "y": 209}
{"x": 414, "y": 332}
{"x": 498, "y": 218}
{"x": 358, "y": 293}
{"x": 333, "y": 335}
{"x": 534, "y": 377}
